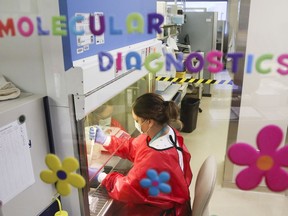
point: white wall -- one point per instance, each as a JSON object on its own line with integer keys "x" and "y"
{"x": 21, "y": 59}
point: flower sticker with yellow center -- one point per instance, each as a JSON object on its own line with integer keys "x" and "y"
{"x": 62, "y": 174}
{"x": 267, "y": 162}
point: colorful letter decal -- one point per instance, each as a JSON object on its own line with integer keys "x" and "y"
{"x": 154, "y": 22}
{"x": 39, "y": 27}
{"x": 260, "y": 61}
{"x": 137, "y": 58}
{"x": 179, "y": 64}
{"x": 235, "y": 59}
{"x": 194, "y": 63}
{"x": 30, "y": 26}
{"x": 149, "y": 59}
{"x": 135, "y": 23}
{"x": 191, "y": 59}
{"x": 72, "y": 25}
{"x": 8, "y": 27}
{"x": 281, "y": 60}
{"x": 101, "y": 62}
{"x": 57, "y": 22}
{"x": 114, "y": 31}
{"x": 101, "y": 29}
{"x": 214, "y": 57}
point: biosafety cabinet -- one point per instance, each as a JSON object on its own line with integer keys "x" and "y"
{"x": 83, "y": 90}
{"x": 115, "y": 118}
{"x": 91, "y": 101}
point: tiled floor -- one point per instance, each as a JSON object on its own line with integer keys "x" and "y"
{"x": 210, "y": 137}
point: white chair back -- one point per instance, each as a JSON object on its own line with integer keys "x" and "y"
{"x": 204, "y": 187}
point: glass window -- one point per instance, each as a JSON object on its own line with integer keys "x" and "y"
{"x": 114, "y": 117}
{"x": 209, "y": 6}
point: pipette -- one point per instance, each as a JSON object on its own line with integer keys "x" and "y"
{"x": 92, "y": 134}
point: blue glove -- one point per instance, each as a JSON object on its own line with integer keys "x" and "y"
{"x": 100, "y": 136}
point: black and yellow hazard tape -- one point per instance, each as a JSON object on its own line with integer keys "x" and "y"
{"x": 193, "y": 80}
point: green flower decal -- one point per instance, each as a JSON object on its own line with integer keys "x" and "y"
{"x": 61, "y": 174}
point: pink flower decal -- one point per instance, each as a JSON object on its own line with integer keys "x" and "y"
{"x": 266, "y": 162}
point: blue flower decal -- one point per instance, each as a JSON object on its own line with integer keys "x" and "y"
{"x": 156, "y": 183}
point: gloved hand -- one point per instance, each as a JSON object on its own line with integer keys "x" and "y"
{"x": 101, "y": 177}
{"x": 92, "y": 133}
{"x": 100, "y": 136}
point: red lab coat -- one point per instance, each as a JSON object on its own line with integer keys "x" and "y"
{"x": 136, "y": 199}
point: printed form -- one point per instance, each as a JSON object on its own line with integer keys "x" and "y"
{"x": 15, "y": 161}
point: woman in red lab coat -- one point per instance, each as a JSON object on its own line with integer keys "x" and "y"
{"x": 158, "y": 150}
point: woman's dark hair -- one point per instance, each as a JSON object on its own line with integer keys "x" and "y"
{"x": 152, "y": 106}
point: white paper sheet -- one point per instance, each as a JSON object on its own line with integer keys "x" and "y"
{"x": 15, "y": 161}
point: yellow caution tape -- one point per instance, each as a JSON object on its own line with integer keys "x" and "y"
{"x": 193, "y": 80}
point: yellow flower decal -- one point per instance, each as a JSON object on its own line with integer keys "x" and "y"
{"x": 61, "y": 174}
